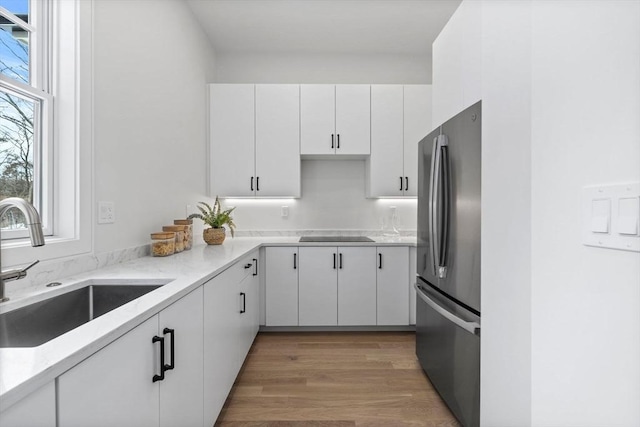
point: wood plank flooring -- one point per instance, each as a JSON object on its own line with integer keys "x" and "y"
{"x": 334, "y": 379}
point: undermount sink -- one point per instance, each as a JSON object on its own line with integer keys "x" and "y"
{"x": 339, "y": 239}
{"x": 37, "y": 323}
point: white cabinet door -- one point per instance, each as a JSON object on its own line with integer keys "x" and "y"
{"x": 249, "y": 310}
{"x": 231, "y": 316}
{"x": 356, "y": 286}
{"x": 412, "y": 279}
{"x": 114, "y": 387}
{"x": 318, "y": 289}
{"x": 393, "y": 289}
{"x": 457, "y": 63}
{"x": 417, "y": 124}
{"x": 232, "y": 137}
{"x": 386, "y": 176}
{"x": 221, "y": 330}
{"x": 37, "y": 409}
{"x": 277, "y": 140}
{"x": 353, "y": 119}
{"x": 281, "y": 283}
{"x": 181, "y": 391}
{"x": 317, "y": 119}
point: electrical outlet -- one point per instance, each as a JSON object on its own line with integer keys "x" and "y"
{"x": 106, "y": 213}
{"x": 285, "y": 212}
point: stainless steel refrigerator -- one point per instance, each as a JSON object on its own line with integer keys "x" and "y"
{"x": 448, "y": 276}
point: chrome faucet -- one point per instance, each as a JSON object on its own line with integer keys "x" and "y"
{"x": 35, "y": 232}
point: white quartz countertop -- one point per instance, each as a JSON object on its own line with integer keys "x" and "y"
{"x": 23, "y": 370}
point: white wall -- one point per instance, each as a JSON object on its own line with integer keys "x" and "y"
{"x": 329, "y": 68}
{"x": 561, "y": 108}
{"x": 151, "y": 63}
{"x": 333, "y": 198}
{"x": 506, "y": 215}
{"x": 333, "y": 192}
{"x": 585, "y": 131}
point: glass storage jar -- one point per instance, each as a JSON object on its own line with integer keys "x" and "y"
{"x": 188, "y": 231}
{"x": 179, "y": 231}
{"x": 163, "y": 244}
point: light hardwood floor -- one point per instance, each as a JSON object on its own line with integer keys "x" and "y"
{"x": 335, "y": 379}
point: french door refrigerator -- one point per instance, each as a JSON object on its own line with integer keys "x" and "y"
{"x": 448, "y": 264}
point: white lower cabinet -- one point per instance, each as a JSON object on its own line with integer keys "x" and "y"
{"x": 116, "y": 386}
{"x": 37, "y": 409}
{"x": 281, "y": 286}
{"x": 231, "y": 321}
{"x": 181, "y": 401}
{"x": 413, "y": 254}
{"x": 337, "y": 286}
{"x": 392, "y": 290}
{"x": 356, "y": 286}
{"x": 318, "y": 286}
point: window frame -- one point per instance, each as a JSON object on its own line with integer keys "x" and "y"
{"x": 39, "y": 92}
{"x": 71, "y": 50}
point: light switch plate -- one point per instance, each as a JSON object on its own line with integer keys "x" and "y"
{"x": 610, "y": 216}
{"x": 106, "y": 213}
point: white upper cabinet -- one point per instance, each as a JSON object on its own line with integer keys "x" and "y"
{"x": 254, "y": 140}
{"x": 232, "y": 136}
{"x": 417, "y": 124}
{"x": 400, "y": 118}
{"x": 335, "y": 119}
{"x": 457, "y": 63}
{"x": 277, "y": 140}
{"x": 386, "y": 173}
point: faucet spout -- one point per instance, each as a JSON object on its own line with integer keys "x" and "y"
{"x": 34, "y": 225}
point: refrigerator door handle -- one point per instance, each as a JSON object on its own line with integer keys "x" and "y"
{"x": 432, "y": 190}
{"x": 439, "y": 178}
{"x": 471, "y": 327}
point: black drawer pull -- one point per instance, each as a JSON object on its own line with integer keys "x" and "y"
{"x": 172, "y": 347}
{"x": 255, "y": 267}
{"x": 295, "y": 259}
{"x": 162, "y": 365}
{"x": 379, "y": 261}
{"x": 244, "y": 302}
{"x": 340, "y": 260}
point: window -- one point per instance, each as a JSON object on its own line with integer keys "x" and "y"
{"x": 25, "y": 111}
{"x": 59, "y": 47}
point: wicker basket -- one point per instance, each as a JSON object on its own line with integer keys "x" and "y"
{"x": 213, "y": 236}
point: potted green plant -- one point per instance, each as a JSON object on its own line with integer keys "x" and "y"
{"x": 216, "y": 218}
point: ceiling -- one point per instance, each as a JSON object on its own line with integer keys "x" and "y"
{"x": 406, "y": 27}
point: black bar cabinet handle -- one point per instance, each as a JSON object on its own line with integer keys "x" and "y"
{"x": 257, "y": 183}
{"x": 255, "y": 267}
{"x": 340, "y": 260}
{"x": 380, "y": 261}
{"x": 338, "y": 141}
{"x": 172, "y": 347}
{"x": 400, "y": 183}
{"x": 295, "y": 264}
{"x": 162, "y": 365}
{"x": 247, "y": 266}
{"x": 406, "y": 183}
{"x": 334, "y": 261}
{"x": 332, "y": 141}
{"x": 244, "y": 302}
{"x": 251, "y": 183}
